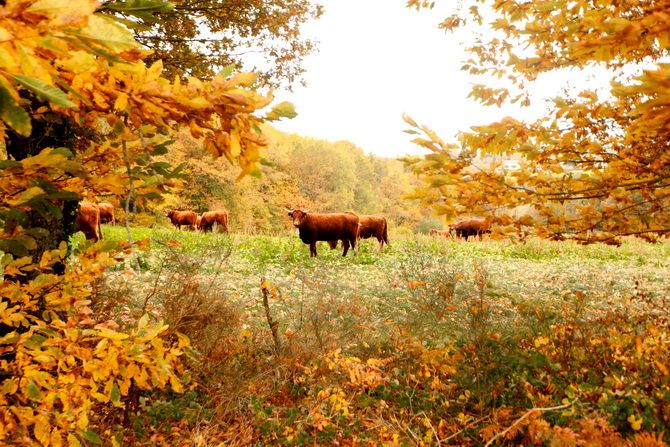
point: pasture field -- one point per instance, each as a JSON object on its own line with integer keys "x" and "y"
{"x": 430, "y": 342}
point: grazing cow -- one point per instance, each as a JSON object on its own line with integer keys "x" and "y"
{"x": 371, "y": 226}
{"x": 106, "y": 213}
{"x": 88, "y": 221}
{"x": 473, "y": 227}
{"x": 438, "y": 233}
{"x": 209, "y": 218}
{"x": 313, "y": 227}
{"x": 179, "y": 218}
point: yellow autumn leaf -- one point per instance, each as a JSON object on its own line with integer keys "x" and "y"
{"x": 121, "y": 102}
{"x": 235, "y": 147}
{"x": 661, "y": 367}
{"x": 42, "y": 429}
{"x": 243, "y": 79}
{"x": 5, "y": 36}
{"x": 56, "y": 439}
{"x": 176, "y": 384}
{"x": 27, "y": 196}
{"x": 112, "y": 335}
{"x": 64, "y": 12}
{"x": 155, "y": 70}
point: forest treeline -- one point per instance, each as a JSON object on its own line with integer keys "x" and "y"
{"x": 298, "y": 172}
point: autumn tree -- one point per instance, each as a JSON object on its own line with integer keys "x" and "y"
{"x": 80, "y": 117}
{"x": 596, "y": 166}
{"x": 200, "y": 37}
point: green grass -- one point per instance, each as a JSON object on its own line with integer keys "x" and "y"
{"x": 536, "y": 278}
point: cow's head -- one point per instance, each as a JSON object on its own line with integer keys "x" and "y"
{"x": 168, "y": 212}
{"x": 297, "y": 215}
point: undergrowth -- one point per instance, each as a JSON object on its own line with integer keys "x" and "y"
{"x": 426, "y": 343}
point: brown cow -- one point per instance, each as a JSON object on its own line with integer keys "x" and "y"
{"x": 313, "y": 227}
{"x": 106, "y": 213}
{"x": 209, "y": 218}
{"x": 371, "y": 226}
{"x": 179, "y": 218}
{"x": 473, "y": 227}
{"x": 88, "y": 221}
{"x": 438, "y": 233}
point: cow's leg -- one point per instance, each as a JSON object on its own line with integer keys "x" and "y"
{"x": 345, "y": 244}
{"x": 312, "y": 249}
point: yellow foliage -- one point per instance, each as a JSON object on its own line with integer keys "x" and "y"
{"x": 607, "y": 148}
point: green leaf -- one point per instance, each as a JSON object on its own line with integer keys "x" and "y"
{"x": 266, "y": 162}
{"x": 13, "y": 247}
{"x": 34, "y": 393}
{"x": 91, "y": 436}
{"x": 285, "y": 109}
{"x": 107, "y": 34}
{"x": 43, "y": 90}
{"x": 15, "y": 117}
{"x": 8, "y": 163}
{"x": 131, "y": 24}
{"x": 115, "y": 396}
{"x": 227, "y": 71}
{"x": 142, "y": 9}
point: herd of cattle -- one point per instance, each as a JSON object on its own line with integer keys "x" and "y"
{"x": 332, "y": 228}
{"x": 203, "y": 222}
{"x": 311, "y": 227}
{"x": 91, "y": 215}
{"x": 465, "y": 229}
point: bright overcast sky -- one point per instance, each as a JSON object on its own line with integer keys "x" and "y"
{"x": 377, "y": 60}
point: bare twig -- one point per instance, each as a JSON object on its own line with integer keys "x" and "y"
{"x": 528, "y": 413}
{"x": 273, "y": 324}
{"x": 475, "y": 422}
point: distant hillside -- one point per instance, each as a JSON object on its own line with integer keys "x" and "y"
{"x": 300, "y": 172}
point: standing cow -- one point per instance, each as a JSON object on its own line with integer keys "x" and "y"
{"x": 88, "y": 221}
{"x": 473, "y": 227}
{"x": 106, "y": 213}
{"x": 374, "y": 226}
{"x": 370, "y": 226}
{"x": 313, "y": 227}
{"x": 179, "y": 218}
{"x": 209, "y": 218}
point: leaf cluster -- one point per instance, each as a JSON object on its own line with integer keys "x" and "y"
{"x": 595, "y": 167}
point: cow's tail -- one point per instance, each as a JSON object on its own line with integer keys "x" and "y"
{"x": 99, "y": 226}
{"x": 385, "y": 235}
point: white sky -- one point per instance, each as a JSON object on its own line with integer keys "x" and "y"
{"x": 377, "y": 60}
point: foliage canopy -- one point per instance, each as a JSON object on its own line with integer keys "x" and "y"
{"x": 198, "y": 38}
{"x": 597, "y": 165}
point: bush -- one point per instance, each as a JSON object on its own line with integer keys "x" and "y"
{"x": 425, "y": 225}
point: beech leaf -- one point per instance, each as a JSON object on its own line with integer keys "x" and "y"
{"x": 43, "y": 90}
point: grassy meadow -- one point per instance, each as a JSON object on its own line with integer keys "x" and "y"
{"x": 430, "y": 342}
